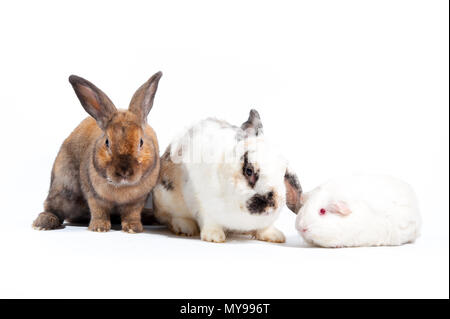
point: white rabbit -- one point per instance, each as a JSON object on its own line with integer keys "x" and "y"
{"x": 359, "y": 210}
{"x": 217, "y": 177}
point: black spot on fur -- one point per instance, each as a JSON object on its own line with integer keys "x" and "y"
{"x": 252, "y": 179}
{"x": 167, "y": 184}
{"x": 257, "y": 204}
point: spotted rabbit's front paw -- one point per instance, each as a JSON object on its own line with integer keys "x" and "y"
{"x": 183, "y": 226}
{"x": 270, "y": 234}
{"x": 213, "y": 234}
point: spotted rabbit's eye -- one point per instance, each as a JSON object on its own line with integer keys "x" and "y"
{"x": 107, "y": 143}
{"x": 141, "y": 142}
{"x": 248, "y": 171}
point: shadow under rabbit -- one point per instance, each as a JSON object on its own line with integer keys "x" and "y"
{"x": 232, "y": 238}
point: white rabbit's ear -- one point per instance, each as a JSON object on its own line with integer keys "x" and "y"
{"x": 293, "y": 192}
{"x": 253, "y": 126}
{"x": 339, "y": 207}
{"x": 142, "y": 100}
{"x": 93, "y": 100}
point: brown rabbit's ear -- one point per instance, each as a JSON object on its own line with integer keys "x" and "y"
{"x": 93, "y": 100}
{"x": 293, "y": 192}
{"x": 253, "y": 126}
{"x": 142, "y": 100}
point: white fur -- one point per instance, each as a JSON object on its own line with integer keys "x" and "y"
{"x": 214, "y": 190}
{"x": 383, "y": 211}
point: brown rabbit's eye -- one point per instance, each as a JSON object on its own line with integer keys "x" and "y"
{"x": 107, "y": 143}
{"x": 141, "y": 142}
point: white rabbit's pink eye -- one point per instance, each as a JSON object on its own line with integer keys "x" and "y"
{"x": 107, "y": 143}
{"x": 322, "y": 211}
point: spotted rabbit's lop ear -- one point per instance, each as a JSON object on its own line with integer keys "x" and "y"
{"x": 253, "y": 126}
{"x": 294, "y": 198}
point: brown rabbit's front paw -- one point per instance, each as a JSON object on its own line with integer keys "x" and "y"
{"x": 132, "y": 227}
{"x": 46, "y": 221}
{"x": 99, "y": 225}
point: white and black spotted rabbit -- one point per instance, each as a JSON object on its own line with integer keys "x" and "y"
{"x": 216, "y": 177}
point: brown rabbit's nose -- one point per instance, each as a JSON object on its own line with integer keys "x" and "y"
{"x": 124, "y": 172}
{"x": 124, "y": 168}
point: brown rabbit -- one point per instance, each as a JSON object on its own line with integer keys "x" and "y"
{"x": 107, "y": 166}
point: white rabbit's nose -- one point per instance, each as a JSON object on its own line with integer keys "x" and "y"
{"x": 304, "y": 230}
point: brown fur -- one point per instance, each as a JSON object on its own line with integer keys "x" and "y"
{"x": 92, "y": 180}
{"x": 293, "y": 192}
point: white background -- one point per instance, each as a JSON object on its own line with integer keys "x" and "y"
{"x": 342, "y": 86}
